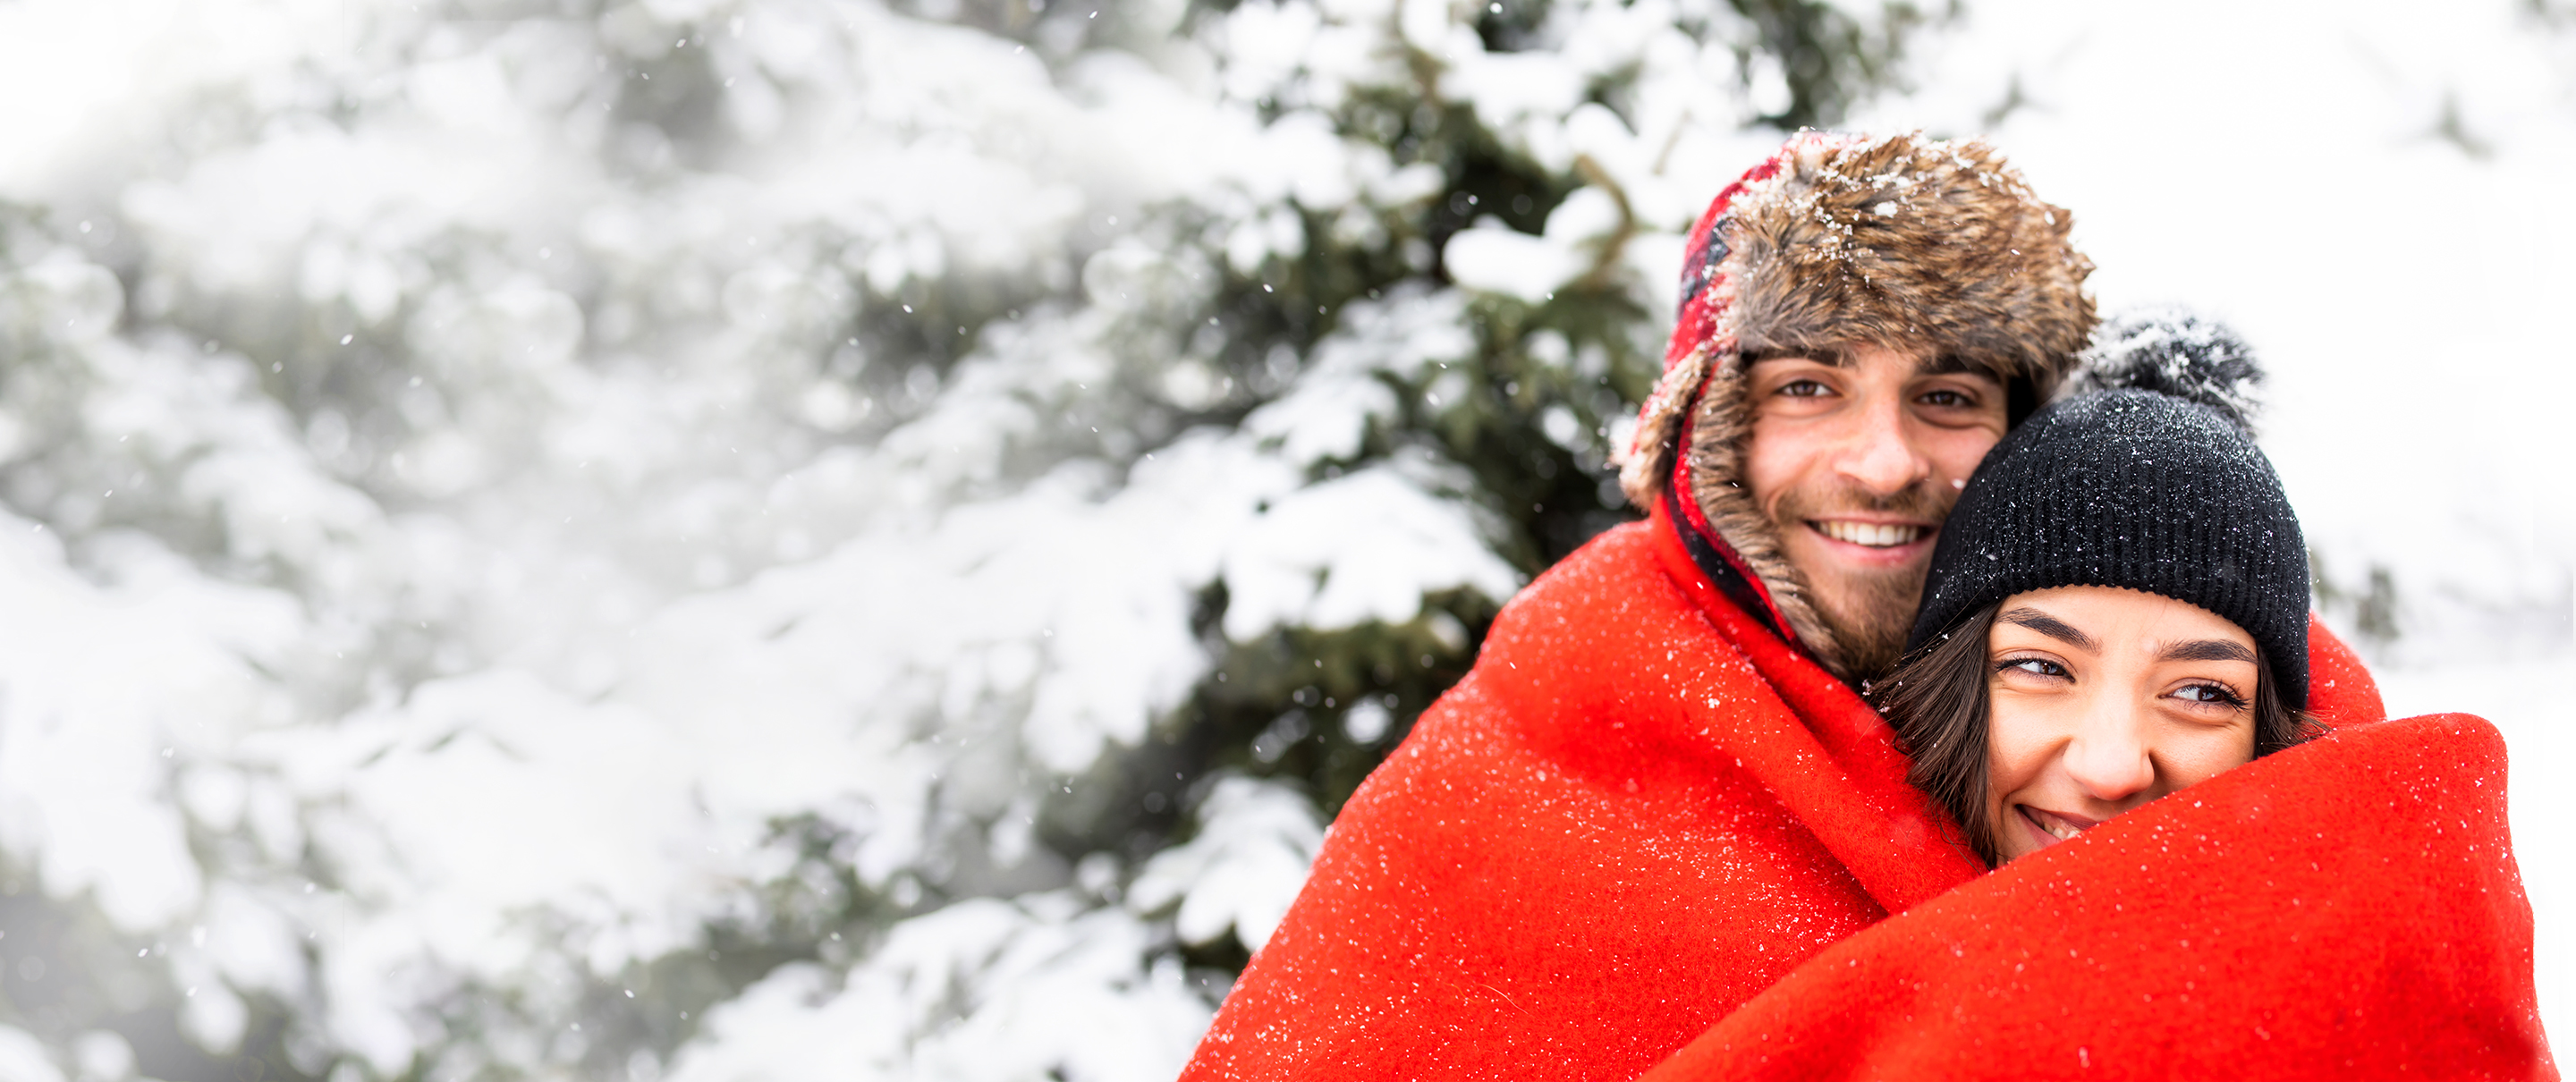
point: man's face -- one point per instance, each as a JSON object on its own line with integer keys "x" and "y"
{"x": 1857, "y": 459}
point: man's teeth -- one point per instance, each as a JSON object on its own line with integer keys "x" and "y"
{"x": 1868, "y": 533}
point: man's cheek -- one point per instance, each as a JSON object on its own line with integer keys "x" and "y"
{"x": 1782, "y": 454}
{"x": 1957, "y": 455}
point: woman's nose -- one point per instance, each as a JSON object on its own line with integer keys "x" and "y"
{"x": 2109, "y": 759}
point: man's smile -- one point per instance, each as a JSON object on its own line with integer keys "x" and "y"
{"x": 1877, "y": 535}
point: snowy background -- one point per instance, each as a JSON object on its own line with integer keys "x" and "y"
{"x": 788, "y": 539}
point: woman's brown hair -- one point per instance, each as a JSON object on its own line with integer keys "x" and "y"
{"x": 1936, "y": 700}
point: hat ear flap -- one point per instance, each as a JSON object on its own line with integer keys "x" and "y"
{"x": 1650, "y": 451}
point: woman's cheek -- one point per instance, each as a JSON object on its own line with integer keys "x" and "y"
{"x": 2016, "y": 742}
{"x": 2200, "y": 756}
{"x": 2011, "y": 762}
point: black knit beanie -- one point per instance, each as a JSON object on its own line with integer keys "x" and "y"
{"x": 2158, "y": 489}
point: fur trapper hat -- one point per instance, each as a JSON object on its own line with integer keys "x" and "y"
{"x": 1837, "y": 240}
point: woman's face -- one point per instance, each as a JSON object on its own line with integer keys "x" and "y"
{"x": 2105, "y": 699}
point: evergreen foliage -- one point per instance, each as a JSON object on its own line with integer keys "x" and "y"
{"x": 684, "y": 539}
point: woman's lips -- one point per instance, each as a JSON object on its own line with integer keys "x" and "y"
{"x": 2054, "y": 827}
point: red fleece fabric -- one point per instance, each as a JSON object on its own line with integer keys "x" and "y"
{"x": 2344, "y": 909}
{"x": 1639, "y": 811}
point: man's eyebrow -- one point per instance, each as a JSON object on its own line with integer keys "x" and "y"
{"x": 2052, "y": 627}
{"x": 2207, "y": 650}
{"x": 1824, "y": 355}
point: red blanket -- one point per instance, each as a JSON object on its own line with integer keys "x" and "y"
{"x": 1636, "y": 814}
{"x": 2346, "y": 909}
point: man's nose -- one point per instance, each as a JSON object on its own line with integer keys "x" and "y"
{"x": 1878, "y": 453}
{"x": 2109, "y": 756}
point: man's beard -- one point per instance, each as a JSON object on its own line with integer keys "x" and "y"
{"x": 1870, "y": 611}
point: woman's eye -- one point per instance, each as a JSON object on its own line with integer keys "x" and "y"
{"x": 2036, "y": 666}
{"x": 1805, "y": 388}
{"x": 2211, "y": 694}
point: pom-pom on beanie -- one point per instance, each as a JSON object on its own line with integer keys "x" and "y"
{"x": 2171, "y": 351}
{"x": 2137, "y": 489}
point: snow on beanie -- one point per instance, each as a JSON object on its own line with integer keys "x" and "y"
{"x": 2132, "y": 486}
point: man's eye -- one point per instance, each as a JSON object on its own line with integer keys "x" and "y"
{"x": 1946, "y": 398}
{"x": 1805, "y": 388}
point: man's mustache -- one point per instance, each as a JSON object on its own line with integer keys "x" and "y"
{"x": 1926, "y": 501}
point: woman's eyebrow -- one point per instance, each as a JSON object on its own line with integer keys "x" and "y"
{"x": 2207, "y": 650}
{"x": 2052, "y": 627}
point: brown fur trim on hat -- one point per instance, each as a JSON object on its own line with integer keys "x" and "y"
{"x": 1908, "y": 243}
{"x": 1649, "y": 457}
